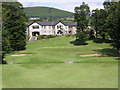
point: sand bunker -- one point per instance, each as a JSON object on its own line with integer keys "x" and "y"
{"x": 22, "y": 55}
{"x": 91, "y": 55}
{"x": 12, "y": 63}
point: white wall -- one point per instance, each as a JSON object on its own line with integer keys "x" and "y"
{"x": 49, "y": 29}
{"x": 63, "y": 26}
{"x": 34, "y": 30}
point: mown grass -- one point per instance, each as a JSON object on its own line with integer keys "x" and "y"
{"x": 46, "y": 67}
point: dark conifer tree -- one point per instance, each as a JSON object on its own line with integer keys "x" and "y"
{"x": 13, "y": 27}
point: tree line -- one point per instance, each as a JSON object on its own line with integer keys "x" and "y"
{"x": 13, "y": 28}
{"x": 105, "y": 23}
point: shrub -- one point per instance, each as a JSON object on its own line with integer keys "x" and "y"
{"x": 27, "y": 38}
{"x": 67, "y": 35}
{"x": 46, "y": 36}
{"x": 41, "y": 37}
{"x": 50, "y": 36}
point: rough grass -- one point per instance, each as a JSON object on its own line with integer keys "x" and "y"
{"x": 46, "y": 67}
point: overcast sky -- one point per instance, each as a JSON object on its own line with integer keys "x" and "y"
{"x": 67, "y": 5}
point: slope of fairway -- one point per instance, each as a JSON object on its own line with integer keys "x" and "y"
{"x": 59, "y": 50}
{"x": 46, "y": 67}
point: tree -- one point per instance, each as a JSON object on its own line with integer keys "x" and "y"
{"x": 94, "y": 21}
{"x": 113, "y": 24}
{"x": 13, "y": 28}
{"x": 102, "y": 28}
{"x": 15, "y": 25}
{"x": 6, "y": 48}
{"x": 98, "y": 22}
{"x": 81, "y": 16}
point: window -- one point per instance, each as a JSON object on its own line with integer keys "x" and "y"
{"x": 44, "y": 27}
{"x": 59, "y": 27}
{"x": 70, "y": 27}
{"x": 35, "y": 27}
{"x": 59, "y": 32}
{"x": 53, "y": 27}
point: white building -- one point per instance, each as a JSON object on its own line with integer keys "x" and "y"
{"x": 33, "y": 18}
{"x": 50, "y": 28}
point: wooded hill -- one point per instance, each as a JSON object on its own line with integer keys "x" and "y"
{"x": 46, "y": 12}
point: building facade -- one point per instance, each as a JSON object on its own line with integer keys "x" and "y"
{"x": 50, "y": 28}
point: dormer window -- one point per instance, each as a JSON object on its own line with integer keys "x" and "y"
{"x": 35, "y": 27}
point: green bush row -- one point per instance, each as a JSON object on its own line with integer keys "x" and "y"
{"x": 46, "y": 36}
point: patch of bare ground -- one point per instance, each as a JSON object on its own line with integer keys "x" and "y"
{"x": 70, "y": 62}
{"x": 92, "y": 55}
{"x": 21, "y": 55}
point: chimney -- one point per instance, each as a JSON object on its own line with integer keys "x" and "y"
{"x": 47, "y": 20}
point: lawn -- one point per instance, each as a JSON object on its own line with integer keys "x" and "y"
{"x": 46, "y": 67}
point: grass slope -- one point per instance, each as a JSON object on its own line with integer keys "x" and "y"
{"x": 46, "y": 67}
{"x": 46, "y": 12}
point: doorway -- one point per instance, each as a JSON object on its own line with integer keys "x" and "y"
{"x": 59, "y": 32}
{"x": 34, "y": 33}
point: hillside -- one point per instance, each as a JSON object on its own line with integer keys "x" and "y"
{"x": 46, "y": 12}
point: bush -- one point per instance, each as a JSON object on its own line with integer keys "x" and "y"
{"x": 98, "y": 40}
{"x": 50, "y": 36}
{"x": 67, "y": 35}
{"x": 41, "y": 37}
{"x": 27, "y": 38}
{"x": 46, "y": 36}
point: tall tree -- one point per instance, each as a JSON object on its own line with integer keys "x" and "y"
{"x": 13, "y": 28}
{"x": 98, "y": 22}
{"x": 94, "y": 21}
{"x": 102, "y": 28}
{"x": 81, "y": 16}
{"x": 15, "y": 25}
{"x": 113, "y": 24}
{"x": 6, "y": 48}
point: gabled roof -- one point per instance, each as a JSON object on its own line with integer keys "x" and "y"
{"x": 72, "y": 24}
{"x": 29, "y": 23}
{"x": 51, "y": 23}
{"x": 47, "y": 23}
{"x": 43, "y": 23}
